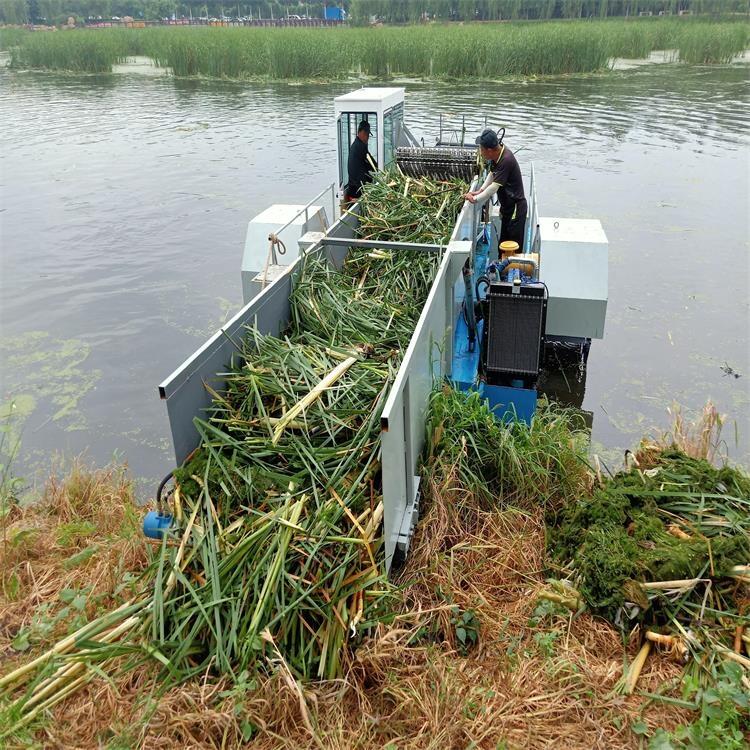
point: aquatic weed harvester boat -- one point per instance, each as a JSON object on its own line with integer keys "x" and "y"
{"x": 485, "y": 320}
{"x": 298, "y": 426}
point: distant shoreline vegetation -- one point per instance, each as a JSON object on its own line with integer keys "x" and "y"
{"x": 438, "y": 51}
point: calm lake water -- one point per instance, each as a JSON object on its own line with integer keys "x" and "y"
{"x": 124, "y": 201}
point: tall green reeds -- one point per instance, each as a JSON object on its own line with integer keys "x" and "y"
{"x": 723, "y": 43}
{"x": 11, "y": 37}
{"x": 541, "y": 464}
{"x": 75, "y": 51}
{"x": 440, "y": 51}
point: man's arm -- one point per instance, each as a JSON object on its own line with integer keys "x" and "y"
{"x": 473, "y": 194}
{"x": 495, "y": 180}
{"x": 483, "y": 195}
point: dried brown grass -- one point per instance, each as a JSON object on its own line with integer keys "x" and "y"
{"x": 408, "y": 686}
{"x": 81, "y": 534}
{"x": 699, "y": 437}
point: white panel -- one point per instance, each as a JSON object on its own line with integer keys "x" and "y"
{"x": 376, "y": 99}
{"x": 271, "y": 220}
{"x": 404, "y": 413}
{"x": 393, "y": 451}
{"x": 574, "y": 266}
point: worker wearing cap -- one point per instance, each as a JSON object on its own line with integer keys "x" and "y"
{"x": 360, "y": 164}
{"x": 505, "y": 181}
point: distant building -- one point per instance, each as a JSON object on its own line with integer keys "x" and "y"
{"x": 331, "y": 13}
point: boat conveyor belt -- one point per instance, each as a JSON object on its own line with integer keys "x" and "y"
{"x": 440, "y": 163}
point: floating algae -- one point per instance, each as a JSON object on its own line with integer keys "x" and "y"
{"x": 37, "y": 366}
{"x": 13, "y": 413}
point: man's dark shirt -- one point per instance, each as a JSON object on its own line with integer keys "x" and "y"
{"x": 507, "y": 174}
{"x": 358, "y": 167}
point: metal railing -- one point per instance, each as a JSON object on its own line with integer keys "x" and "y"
{"x": 306, "y": 210}
{"x": 532, "y": 217}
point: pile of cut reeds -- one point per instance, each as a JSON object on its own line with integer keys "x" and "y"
{"x": 275, "y": 551}
{"x": 407, "y": 209}
{"x": 665, "y": 545}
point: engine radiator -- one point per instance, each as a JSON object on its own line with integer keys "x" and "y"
{"x": 515, "y": 331}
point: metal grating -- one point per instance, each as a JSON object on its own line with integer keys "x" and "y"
{"x": 515, "y": 332}
{"x": 439, "y": 163}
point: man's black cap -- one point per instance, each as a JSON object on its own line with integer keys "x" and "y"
{"x": 488, "y": 139}
{"x": 364, "y": 125}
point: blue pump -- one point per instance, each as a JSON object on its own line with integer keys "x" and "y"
{"x": 156, "y": 522}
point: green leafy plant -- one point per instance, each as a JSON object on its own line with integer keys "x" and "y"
{"x": 546, "y": 611}
{"x": 466, "y": 627}
{"x": 243, "y": 685}
{"x": 724, "y": 716}
{"x": 545, "y": 642}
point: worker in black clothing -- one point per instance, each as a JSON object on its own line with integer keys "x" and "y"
{"x": 360, "y": 164}
{"x": 504, "y": 179}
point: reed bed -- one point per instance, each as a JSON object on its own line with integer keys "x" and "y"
{"x": 10, "y": 37}
{"x": 489, "y": 51}
{"x": 74, "y": 51}
{"x": 275, "y": 554}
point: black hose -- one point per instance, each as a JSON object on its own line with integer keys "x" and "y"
{"x": 162, "y": 485}
{"x": 470, "y": 318}
{"x": 480, "y": 280}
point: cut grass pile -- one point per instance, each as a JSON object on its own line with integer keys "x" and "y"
{"x": 486, "y": 51}
{"x": 665, "y": 546}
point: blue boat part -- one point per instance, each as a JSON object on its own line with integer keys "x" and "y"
{"x": 156, "y": 522}
{"x": 510, "y": 404}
